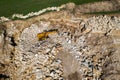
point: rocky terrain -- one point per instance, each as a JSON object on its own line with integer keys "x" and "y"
{"x": 70, "y": 46}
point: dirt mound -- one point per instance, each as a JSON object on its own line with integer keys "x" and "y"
{"x": 99, "y": 6}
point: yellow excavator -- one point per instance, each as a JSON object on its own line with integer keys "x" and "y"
{"x": 44, "y": 35}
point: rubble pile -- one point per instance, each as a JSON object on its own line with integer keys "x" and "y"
{"x": 81, "y": 49}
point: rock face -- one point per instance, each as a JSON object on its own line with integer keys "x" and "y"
{"x": 81, "y": 49}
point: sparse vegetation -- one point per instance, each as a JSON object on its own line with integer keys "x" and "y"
{"x": 7, "y": 8}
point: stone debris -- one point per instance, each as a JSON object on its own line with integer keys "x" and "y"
{"x": 82, "y": 49}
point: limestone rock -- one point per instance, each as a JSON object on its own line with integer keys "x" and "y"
{"x": 82, "y": 48}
